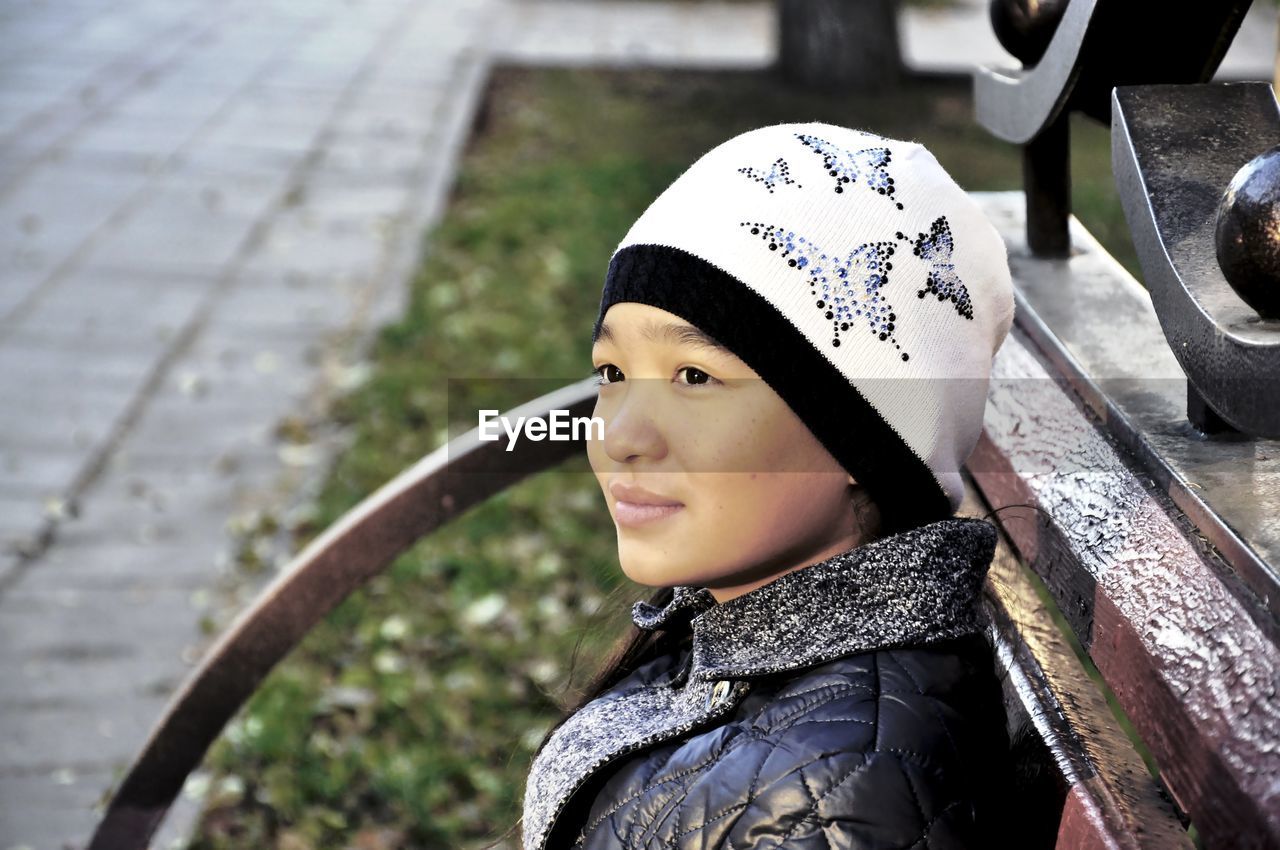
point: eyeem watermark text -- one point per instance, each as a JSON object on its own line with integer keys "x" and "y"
{"x": 537, "y": 428}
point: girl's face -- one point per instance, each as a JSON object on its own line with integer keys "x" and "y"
{"x": 711, "y": 479}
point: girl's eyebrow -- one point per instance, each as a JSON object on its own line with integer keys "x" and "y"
{"x": 670, "y": 332}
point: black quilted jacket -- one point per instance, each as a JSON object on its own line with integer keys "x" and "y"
{"x": 852, "y": 703}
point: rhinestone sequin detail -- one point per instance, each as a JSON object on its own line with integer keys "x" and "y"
{"x": 847, "y": 288}
{"x": 935, "y": 248}
{"x": 869, "y": 166}
{"x": 777, "y": 172}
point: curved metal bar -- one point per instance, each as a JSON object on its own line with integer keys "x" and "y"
{"x": 1017, "y": 104}
{"x": 1100, "y": 44}
{"x": 357, "y": 547}
{"x": 1174, "y": 149}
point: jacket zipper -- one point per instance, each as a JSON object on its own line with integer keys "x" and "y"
{"x": 739, "y": 689}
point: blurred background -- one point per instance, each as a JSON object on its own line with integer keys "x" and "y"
{"x": 246, "y": 248}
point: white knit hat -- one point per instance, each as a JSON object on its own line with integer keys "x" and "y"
{"x": 856, "y": 278}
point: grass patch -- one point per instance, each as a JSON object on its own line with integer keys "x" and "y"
{"x": 408, "y": 718}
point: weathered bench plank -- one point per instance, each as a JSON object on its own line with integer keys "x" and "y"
{"x": 1171, "y": 630}
{"x": 1105, "y": 794}
{"x": 1099, "y": 332}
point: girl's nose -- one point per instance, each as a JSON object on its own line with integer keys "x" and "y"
{"x": 630, "y": 423}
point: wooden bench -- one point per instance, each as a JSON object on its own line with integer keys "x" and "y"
{"x": 1142, "y": 594}
{"x": 1124, "y": 530}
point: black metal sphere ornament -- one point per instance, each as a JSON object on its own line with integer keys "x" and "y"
{"x": 1248, "y": 233}
{"x": 1025, "y": 27}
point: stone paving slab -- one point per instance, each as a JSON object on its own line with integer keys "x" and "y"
{"x": 78, "y": 88}
{"x": 51, "y": 421}
{"x": 44, "y": 358}
{"x": 110, "y": 730}
{"x": 73, "y": 676}
{"x": 239, "y": 364}
{"x": 304, "y": 240}
{"x": 289, "y": 302}
{"x": 51, "y": 810}
{"x": 99, "y": 305}
{"x": 209, "y": 237}
{"x": 132, "y": 522}
{"x": 21, "y": 517}
{"x": 90, "y": 561}
{"x": 32, "y": 474}
{"x": 47, "y": 218}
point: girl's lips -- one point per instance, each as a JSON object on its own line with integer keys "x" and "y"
{"x": 632, "y": 514}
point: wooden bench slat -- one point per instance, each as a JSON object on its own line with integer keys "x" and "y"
{"x": 1107, "y": 797}
{"x": 1155, "y": 617}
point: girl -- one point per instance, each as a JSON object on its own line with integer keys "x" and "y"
{"x": 793, "y": 348}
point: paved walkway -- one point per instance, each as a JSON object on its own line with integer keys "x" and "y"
{"x": 197, "y": 201}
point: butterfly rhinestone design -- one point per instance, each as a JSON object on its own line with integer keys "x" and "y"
{"x": 869, "y": 165}
{"x": 778, "y": 172}
{"x": 845, "y": 289}
{"x": 849, "y": 289}
{"x": 936, "y": 248}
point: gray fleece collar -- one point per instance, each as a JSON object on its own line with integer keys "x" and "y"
{"x": 902, "y": 589}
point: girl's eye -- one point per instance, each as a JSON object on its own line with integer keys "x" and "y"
{"x": 698, "y": 377}
{"x": 607, "y": 373}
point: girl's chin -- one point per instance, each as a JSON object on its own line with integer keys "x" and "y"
{"x": 650, "y": 568}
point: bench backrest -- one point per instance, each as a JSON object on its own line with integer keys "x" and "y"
{"x": 1085, "y": 784}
